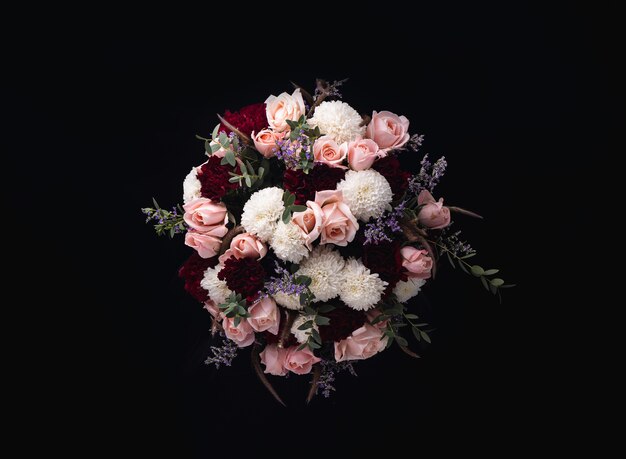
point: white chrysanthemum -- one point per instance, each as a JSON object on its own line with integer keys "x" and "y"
{"x": 338, "y": 120}
{"x": 191, "y": 186}
{"x": 360, "y": 289}
{"x": 324, "y": 267}
{"x": 302, "y": 335}
{"x": 288, "y": 301}
{"x": 288, "y": 243}
{"x": 218, "y": 290}
{"x": 367, "y": 193}
{"x": 262, "y": 211}
{"x": 405, "y": 290}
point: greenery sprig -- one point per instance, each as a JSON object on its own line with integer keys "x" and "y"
{"x": 167, "y": 221}
{"x": 314, "y": 340}
{"x": 288, "y": 201}
{"x": 235, "y": 306}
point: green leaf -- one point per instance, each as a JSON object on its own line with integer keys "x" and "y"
{"x": 379, "y": 318}
{"x": 326, "y": 308}
{"x": 286, "y": 215}
{"x": 316, "y": 335}
{"x": 321, "y": 320}
{"x": 303, "y": 299}
{"x": 463, "y": 268}
{"x": 401, "y": 341}
{"x": 477, "y": 271}
{"x": 416, "y": 333}
{"x": 508, "y": 286}
{"x": 411, "y": 316}
{"x": 493, "y": 289}
{"x": 302, "y": 346}
{"x": 215, "y": 147}
{"x": 389, "y": 343}
{"x": 237, "y": 321}
{"x": 309, "y": 310}
{"x": 223, "y": 162}
{"x": 250, "y": 168}
{"x": 306, "y": 325}
{"x": 491, "y": 272}
{"x": 172, "y": 232}
{"x": 305, "y": 280}
{"x": 469, "y": 255}
{"x": 450, "y": 259}
{"x": 497, "y": 282}
{"x": 215, "y": 131}
{"x": 156, "y": 204}
{"x": 298, "y": 208}
{"x": 484, "y": 281}
{"x": 261, "y": 172}
{"x": 230, "y": 158}
{"x": 425, "y": 336}
{"x": 223, "y": 138}
{"x": 248, "y": 180}
{"x": 313, "y": 344}
{"x": 234, "y": 179}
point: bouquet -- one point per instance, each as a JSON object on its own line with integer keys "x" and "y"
{"x": 309, "y": 239}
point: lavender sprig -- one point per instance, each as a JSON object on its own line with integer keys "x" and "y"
{"x": 379, "y": 230}
{"x": 456, "y": 246}
{"x": 324, "y": 89}
{"x": 167, "y": 221}
{"x": 330, "y": 369}
{"x": 284, "y": 282}
{"x": 429, "y": 175}
{"x": 224, "y": 354}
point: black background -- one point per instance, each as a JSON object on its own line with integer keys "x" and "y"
{"x": 102, "y": 116}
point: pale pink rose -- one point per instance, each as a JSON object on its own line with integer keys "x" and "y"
{"x": 372, "y": 314}
{"x": 339, "y": 225}
{"x": 206, "y": 244}
{"x": 416, "y": 262}
{"x": 242, "y": 334}
{"x": 210, "y": 306}
{"x": 362, "y": 344}
{"x": 300, "y": 362}
{"x": 361, "y": 153}
{"x": 203, "y": 215}
{"x": 433, "y": 215}
{"x": 264, "y": 316}
{"x": 245, "y": 245}
{"x": 274, "y": 357}
{"x": 326, "y": 151}
{"x": 309, "y": 222}
{"x": 388, "y": 130}
{"x": 265, "y": 141}
{"x": 282, "y": 108}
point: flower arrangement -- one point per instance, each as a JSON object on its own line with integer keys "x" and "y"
{"x": 309, "y": 238}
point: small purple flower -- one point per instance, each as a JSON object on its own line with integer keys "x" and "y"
{"x": 224, "y": 354}
{"x": 377, "y": 232}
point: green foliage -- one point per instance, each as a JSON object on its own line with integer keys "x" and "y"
{"x": 235, "y": 306}
{"x": 314, "y": 340}
{"x": 290, "y": 207}
{"x": 167, "y": 222}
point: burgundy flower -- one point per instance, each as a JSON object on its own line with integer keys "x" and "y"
{"x": 304, "y": 186}
{"x": 192, "y": 271}
{"x": 343, "y": 321}
{"x": 249, "y": 118}
{"x": 214, "y": 179}
{"x": 386, "y": 260}
{"x": 389, "y": 167}
{"x": 245, "y": 276}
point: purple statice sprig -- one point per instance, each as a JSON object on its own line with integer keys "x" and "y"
{"x": 324, "y": 90}
{"x": 429, "y": 175}
{"x": 167, "y": 221}
{"x": 330, "y": 370}
{"x": 380, "y": 230}
{"x": 455, "y": 245}
{"x": 296, "y": 151}
{"x": 286, "y": 282}
{"x": 223, "y": 354}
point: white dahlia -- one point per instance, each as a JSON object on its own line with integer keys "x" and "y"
{"x": 367, "y": 193}
{"x": 262, "y": 211}
{"x": 360, "y": 289}
{"x": 288, "y": 301}
{"x": 338, "y": 120}
{"x": 405, "y": 290}
{"x": 302, "y": 335}
{"x": 191, "y": 186}
{"x": 218, "y": 290}
{"x": 288, "y": 243}
{"x": 324, "y": 266}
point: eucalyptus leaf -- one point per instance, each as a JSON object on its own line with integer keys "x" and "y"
{"x": 248, "y": 181}
{"x": 234, "y": 179}
{"x": 491, "y": 272}
{"x": 298, "y": 208}
{"x": 401, "y": 341}
{"x": 416, "y": 333}
{"x": 321, "y": 320}
{"x": 411, "y": 316}
{"x": 326, "y": 308}
{"x": 223, "y": 138}
{"x": 484, "y": 282}
{"x": 306, "y": 325}
{"x": 215, "y": 147}
{"x": 230, "y": 158}
{"x": 156, "y": 204}
{"x": 286, "y": 215}
{"x": 215, "y": 131}
{"x": 250, "y": 168}
{"x": 497, "y": 282}
{"x": 425, "y": 336}
{"x": 477, "y": 270}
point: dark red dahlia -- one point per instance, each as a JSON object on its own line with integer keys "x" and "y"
{"x": 245, "y": 276}
{"x": 192, "y": 271}
{"x": 304, "y": 186}
{"x": 249, "y": 118}
{"x": 389, "y": 167}
{"x": 214, "y": 179}
{"x": 386, "y": 260}
{"x": 343, "y": 321}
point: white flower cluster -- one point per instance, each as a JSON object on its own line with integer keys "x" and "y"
{"x": 338, "y": 120}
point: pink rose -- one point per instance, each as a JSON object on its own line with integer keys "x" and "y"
{"x": 326, "y": 151}
{"x": 300, "y": 362}
{"x": 309, "y": 222}
{"x": 206, "y": 244}
{"x": 264, "y": 316}
{"x": 361, "y": 153}
{"x": 339, "y": 225}
{"x": 265, "y": 141}
{"x": 210, "y": 306}
{"x": 388, "y": 130}
{"x": 242, "y": 334}
{"x": 416, "y": 262}
{"x": 362, "y": 344}
{"x": 273, "y": 357}
{"x": 372, "y": 314}
{"x": 282, "y": 108}
{"x": 433, "y": 215}
{"x": 245, "y": 245}
{"x": 203, "y": 215}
